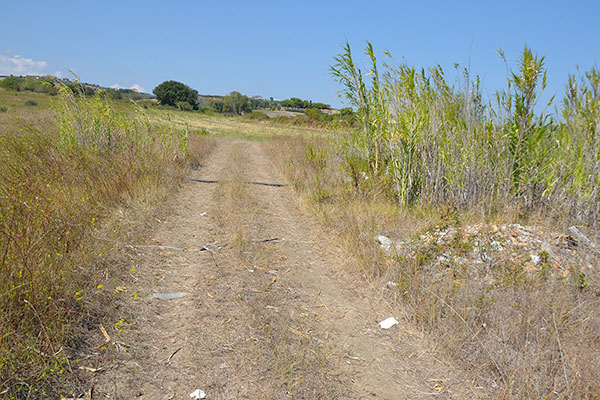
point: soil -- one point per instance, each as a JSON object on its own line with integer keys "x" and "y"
{"x": 269, "y": 311}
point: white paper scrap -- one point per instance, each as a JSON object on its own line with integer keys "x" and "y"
{"x": 388, "y": 323}
{"x": 198, "y": 394}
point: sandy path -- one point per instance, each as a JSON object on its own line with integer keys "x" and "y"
{"x": 277, "y": 319}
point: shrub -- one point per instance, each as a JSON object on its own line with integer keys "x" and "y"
{"x": 3, "y": 109}
{"x": 236, "y": 103}
{"x": 257, "y": 116}
{"x": 31, "y": 102}
{"x": 184, "y": 106}
{"x": 11, "y": 83}
{"x": 314, "y": 114}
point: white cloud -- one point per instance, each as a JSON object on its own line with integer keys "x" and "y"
{"x": 59, "y": 74}
{"x": 135, "y": 87}
{"x": 138, "y": 88}
{"x": 18, "y": 65}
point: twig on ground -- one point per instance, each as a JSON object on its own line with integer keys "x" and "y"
{"x": 248, "y": 182}
{"x": 562, "y": 354}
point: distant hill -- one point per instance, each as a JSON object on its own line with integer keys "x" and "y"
{"x": 44, "y": 84}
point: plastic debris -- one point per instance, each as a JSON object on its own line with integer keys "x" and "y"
{"x": 495, "y": 245}
{"x": 169, "y": 296}
{"x": 198, "y": 394}
{"x": 388, "y": 323}
{"x": 202, "y": 214}
{"x": 384, "y": 241}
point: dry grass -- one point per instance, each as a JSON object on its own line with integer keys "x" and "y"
{"x": 232, "y": 125}
{"x": 61, "y": 208}
{"x": 522, "y": 334}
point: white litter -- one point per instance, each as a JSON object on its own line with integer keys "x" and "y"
{"x": 169, "y": 296}
{"x": 388, "y": 323}
{"x": 384, "y": 241}
{"x": 198, "y": 394}
{"x": 202, "y": 214}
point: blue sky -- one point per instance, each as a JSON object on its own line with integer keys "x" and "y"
{"x": 284, "y": 48}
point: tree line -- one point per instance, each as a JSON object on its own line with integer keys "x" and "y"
{"x": 180, "y": 95}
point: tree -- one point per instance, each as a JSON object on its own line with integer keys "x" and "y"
{"x": 173, "y": 92}
{"x": 346, "y": 111}
{"x": 236, "y": 103}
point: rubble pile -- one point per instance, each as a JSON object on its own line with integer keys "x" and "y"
{"x": 528, "y": 249}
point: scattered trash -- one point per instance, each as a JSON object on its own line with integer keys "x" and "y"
{"x": 444, "y": 259}
{"x": 169, "y": 296}
{"x": 198, "y": 394}
{"x": 391, "y": 285}
{"x": 89, "y": 369}
{"x": 88, "y": 396}
{"x": 388, "y": 323}
{"x": 384, "y": 241}
{"x": 202, "y": 214}
{"x": 495, "y": 245}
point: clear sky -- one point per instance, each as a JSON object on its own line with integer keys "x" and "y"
{"x": 284, "y": 48}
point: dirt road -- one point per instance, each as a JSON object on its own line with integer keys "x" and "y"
{"x": 269, "y": 311}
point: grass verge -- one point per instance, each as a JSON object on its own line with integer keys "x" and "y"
{"x": 65, "y": 189}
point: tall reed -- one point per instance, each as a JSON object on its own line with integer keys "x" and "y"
{"x": 441, "y": 143}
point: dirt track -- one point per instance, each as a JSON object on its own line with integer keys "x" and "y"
{"x": 261, "y": 319}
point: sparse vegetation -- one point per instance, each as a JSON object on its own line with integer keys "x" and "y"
{"x": 58, "y": 186}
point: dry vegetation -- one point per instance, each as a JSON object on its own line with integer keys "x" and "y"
{"x": 73, "y": 180}
{"x": 523, "y": 329}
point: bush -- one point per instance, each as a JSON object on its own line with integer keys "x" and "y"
{"x": 184, "y": 106}
{"x": 236, "y": 103}
{"x": 314, "y": 114}
{"x": 3, "y": 109}
{"x": 257, "y": 116}
{"x": 31, "y": 102}
{"x": 11, "y": 83}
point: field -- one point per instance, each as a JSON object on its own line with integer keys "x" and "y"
{"x": 282, "y": 287}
